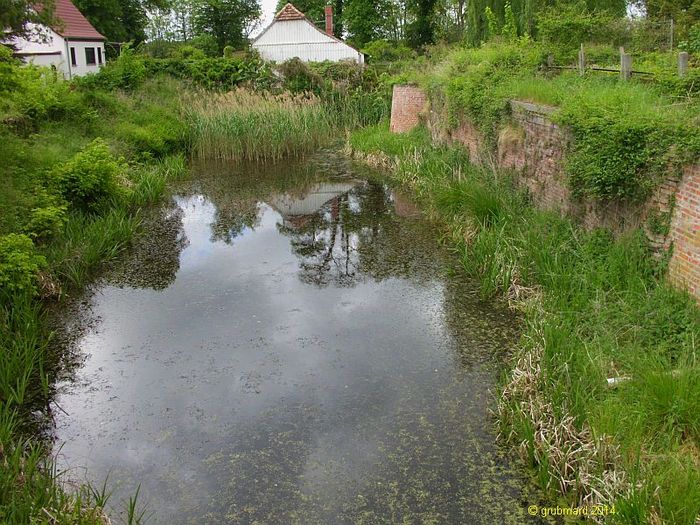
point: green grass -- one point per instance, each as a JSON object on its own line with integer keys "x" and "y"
{"x": 245, "y": 125}
{"x": 594, "y": 307}
{"x": 628, "y": 135}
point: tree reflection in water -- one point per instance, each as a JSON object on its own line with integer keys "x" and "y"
{"x": 343, "y": 229}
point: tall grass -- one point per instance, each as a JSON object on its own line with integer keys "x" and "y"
{"x": 594, "y": 308}
{"x": 244, "y": 125}
{"x": 247, "y": 125}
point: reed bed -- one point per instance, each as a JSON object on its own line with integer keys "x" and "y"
{"x": 244, "y": 125}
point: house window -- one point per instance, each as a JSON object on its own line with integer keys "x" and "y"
{"x": 73, "y": 61}
{"x": 90, "y": 56}
{"x": 99, "y": 55}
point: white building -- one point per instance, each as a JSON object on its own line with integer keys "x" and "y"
{"x": 72, "y": 46}
{"x": 292, "y": 35}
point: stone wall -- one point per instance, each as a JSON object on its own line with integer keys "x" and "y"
{"x": 407, "y": 105}
{"x": 535, "y": 147}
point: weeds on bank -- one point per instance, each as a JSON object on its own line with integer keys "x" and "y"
{"x": 594, "y": 308}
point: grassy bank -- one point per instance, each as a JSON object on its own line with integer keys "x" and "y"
{"x": 654, "y": 119}
{"x": 594, "y": 308}
{"x": 77, "y": 164}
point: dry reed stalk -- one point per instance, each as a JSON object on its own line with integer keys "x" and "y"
{"x": 580, "y": 463}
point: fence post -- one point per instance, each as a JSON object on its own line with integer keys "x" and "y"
{"x": 682, "y": 64}
{"x": 550, "y": 60}
{"x": 581, "y": 61}
{"x": 625, "y": 65}
{"x": 673, "y": 27}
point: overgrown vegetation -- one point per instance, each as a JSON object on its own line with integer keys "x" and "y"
{"x": 627, "y": 134}
{"x": 594, "y": 308}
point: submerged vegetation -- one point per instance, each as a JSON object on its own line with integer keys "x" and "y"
{"x": 594, "y": 308}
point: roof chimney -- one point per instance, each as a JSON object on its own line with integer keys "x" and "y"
{"x": 329, "y": 20}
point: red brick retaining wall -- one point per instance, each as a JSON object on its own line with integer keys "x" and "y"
{"x": 684, "y": 268}
{"x": 407, "y": 104}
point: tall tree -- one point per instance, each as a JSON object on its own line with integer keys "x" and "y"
{"x": 367, "y": 20}
{"x": 682, "y": 11}
{"x": 119, "y": 20}
{"x": 421, "y": 30}
{"x": 18, "y": 18}
{"x": 228, "y": 21}
{"x": 313, "y": 9}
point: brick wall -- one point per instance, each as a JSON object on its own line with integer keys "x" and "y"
{"x": 407, "y": 105}
{"x": 535, "y": 148}
{"x": 684, "y": 268}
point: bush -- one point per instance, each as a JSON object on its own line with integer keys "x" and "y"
{"x": 89, "y": 179}
{"x": 299, "y": 78}
{"x": 19, "y": 265}
{"x": 126, "y": 72}
{"x": 46, "y": 221}
{"x": 692, "y": 44}
{"x": 567, "y": 26}
{"x": 385, "y": 51}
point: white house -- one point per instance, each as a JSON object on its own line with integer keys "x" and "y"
{"x": 292, "y": 35}
{"x": 72, "y": 45}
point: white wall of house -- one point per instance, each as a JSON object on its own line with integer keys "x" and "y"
{"x": 81, "y": 67}
{"x": 54, "y": 50}
{"x": 46, "y": 48}
{"x": 287, "y": 39}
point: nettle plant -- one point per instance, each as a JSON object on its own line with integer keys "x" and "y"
{"x": 19, "y": 265}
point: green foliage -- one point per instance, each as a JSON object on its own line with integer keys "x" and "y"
{"x": 19, "y": 266}
{"x": 225, "y": 21}
{"x": 18, "y": 17}
{"x": 385, "y": 51}
{"x": 47, "y": 221}
{"x": 298, "y": 77}
{"x": 569, "y": 25}
{"x": 624, "y": 142}
{"x": 90, "y": 179}
{"x": 692, "y": 43}
{"x": 214, "y": 73}
{"x": 126, "y": 72}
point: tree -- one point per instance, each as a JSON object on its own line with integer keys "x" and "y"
{"x": 366, "y": 20}
{"x": 18, "y": 17}
{"x": 228, "y": 21}
{"x": 421, "y": 30}
{"x": 684, "y": 12}
{"x": 313, "y": 9}
{"x": 119, "y": 20}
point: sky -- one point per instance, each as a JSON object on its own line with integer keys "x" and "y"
{"x": 268, "y": 11}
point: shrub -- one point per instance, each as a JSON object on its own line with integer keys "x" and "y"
{"x": 19, "y": 265}
{"x": 89, "y": 179}
{"x": 299, "y": 78}
{"x": 126, "y": 72}
{"x": 46, "y": 221}
{"x": 385, "y": 51}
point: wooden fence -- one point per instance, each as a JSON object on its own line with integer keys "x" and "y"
{"x": 625, "y": 71}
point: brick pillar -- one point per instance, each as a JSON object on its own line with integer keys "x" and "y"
{"x": 684, "y": 267}
{"x": 407, "y": 103}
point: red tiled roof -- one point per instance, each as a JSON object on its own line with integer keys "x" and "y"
{"x": 289, "y": 12}
{"x": 70, "y": 23}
